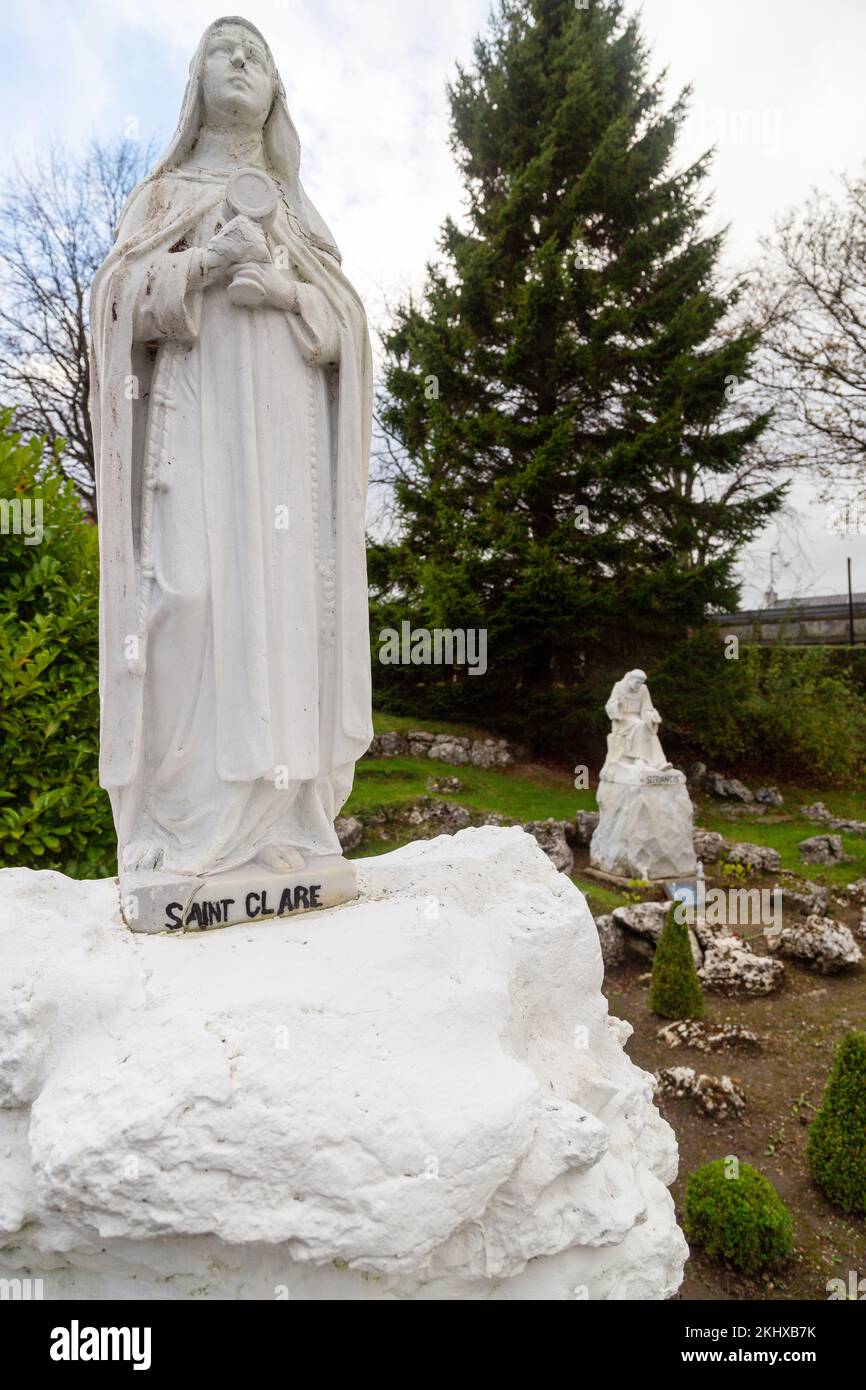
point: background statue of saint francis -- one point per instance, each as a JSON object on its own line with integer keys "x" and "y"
{"x": 233, "y": 443}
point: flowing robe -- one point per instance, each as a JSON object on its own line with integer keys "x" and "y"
{"x": 232, "y": 452}
{"x": 633, "y": 736}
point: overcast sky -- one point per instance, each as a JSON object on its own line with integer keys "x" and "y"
{"x": 778, "y": 87}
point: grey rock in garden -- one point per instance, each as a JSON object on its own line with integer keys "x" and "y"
{"x": 551, "y": 836}
{"x": 444, "y": 784}
{"x": 727, "y": 788}
{"x": 822, "y": 849}
{"x": 611, "y": 940}
{"x": 813, "y": 899}
{"x": 817, "y": 812}
{"x": 491, "y": 752}
{"x": 446, "y": 816}
{"x": 850, "y": 827}
{"x": 585, "y": 826}
{"x": 769, "y": 796}
{"x": 730, "y": 967}
{"x": 820, "y": 944}
{"x": 389, "y": 745}
{"x": 709, "y": 846}
{"x": 758, "y": 859}
{"x": 709, "y": 1037}
{"x": 350, "y": 832}
{"x": 455, "y": 751}
{"x": 720, "y": 1097}
{"x": 642, "y": 924}
{"x": 856, "y": 891}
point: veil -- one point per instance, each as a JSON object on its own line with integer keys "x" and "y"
{"x": 282, "y": 147}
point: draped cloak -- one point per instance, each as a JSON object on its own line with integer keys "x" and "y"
{"x": 632, "y": 736}
{"x": 232, "y": 451}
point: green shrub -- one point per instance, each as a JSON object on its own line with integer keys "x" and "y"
{"x": 675, "y": 991}
{"x": 790, "y": 712}
{"x": 742, "y": 1219}
{"x": 837, "y": 1135}
{"x": 53, "y": 814}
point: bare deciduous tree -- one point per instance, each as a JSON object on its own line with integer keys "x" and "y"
{"x": 809, "y": 299}
{"x": 57, "y": 222}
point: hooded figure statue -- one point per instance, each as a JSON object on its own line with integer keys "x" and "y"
{"x": 633, "y": 740}
{"x": 232, "y": 447}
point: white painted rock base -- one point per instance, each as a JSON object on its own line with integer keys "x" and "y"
{"x": 159, "y": 902}
{"x": 418, "y": 1095}
{"x": 644, "y": 830}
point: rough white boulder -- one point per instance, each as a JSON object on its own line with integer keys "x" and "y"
{"x": 644, "y": 830}
{"x": 417, "y": 1095}
{"x": 820, "y": 943}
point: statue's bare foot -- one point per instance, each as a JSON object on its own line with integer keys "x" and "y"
{"x": 142, "y": 856}
{"x": 280, "y": 859}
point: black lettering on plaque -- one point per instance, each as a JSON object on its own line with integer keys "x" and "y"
{"x": 197, "y": 915}
{"x": 173, "y": 916}
{"x": 286, "y": 904}
{"x": 302, "y": 896}
{"x": 266, "y": 911}
{"x": 250, "y": 911}
{"x": 227, "y": 903}
{"x": 214, "y": 913}
{"x": 315, "y": 890}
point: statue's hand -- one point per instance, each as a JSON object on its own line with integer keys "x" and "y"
{"x": 240, "y": 240}
{"x": 277, "y": 288}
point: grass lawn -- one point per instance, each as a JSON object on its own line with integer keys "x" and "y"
{"x": 536, "y": 792}
{"x": 380, "y": 783}
{"x": 785, "y": 827}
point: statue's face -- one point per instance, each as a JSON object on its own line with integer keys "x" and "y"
{"x": 237, "y": 79}
{"x": 634, "y": 684}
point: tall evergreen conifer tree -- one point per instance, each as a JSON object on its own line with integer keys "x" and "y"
{"x": 574, "y": 457}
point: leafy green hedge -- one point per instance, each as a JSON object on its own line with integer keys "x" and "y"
{"x": 837, "y": 1135}
{"x": 739, "y": 1218}
{"x": 53, "y": 814}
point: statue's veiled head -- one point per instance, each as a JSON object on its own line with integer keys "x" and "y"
{"x": 237, "y": 78}
{"x": 634, "y": 680}
{"x": 234, "y": 84}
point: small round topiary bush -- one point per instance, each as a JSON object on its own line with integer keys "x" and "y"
{"x": 738, "y": 1215}
{"x": 675, "y": 990}
{"x": 837, "y": 1135}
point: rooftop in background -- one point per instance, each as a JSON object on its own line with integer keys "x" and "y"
{"x": 819, "y": 601}
{"x": 820, "y": 621}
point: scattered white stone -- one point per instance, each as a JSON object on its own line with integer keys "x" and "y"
{"x": 758, "y": 859}
{"x": 445, "y": 748}
{"x": 857, "y": 890}
{"x": 817, "y": 812}
{"x": 720, "y": 1097}
{"x": 822, "y": 849}
{"x": 350, "y": 832}
{"x": 727, "y": 788}
{"x": 709, "y": 1037}
{"x": 642, "y": 924}
{"x": 814, "y": 898}
{"x": 585, "y": 826}
{"x": 416, "y": 1095}
{"x": 820, "y": 943}
{"x": 730, "y": 967}
{"x": 550, "y": 835}
{"x": 769, "y": 796}
{"x": 612, "y": 941}
{"x": 710, "y": 846}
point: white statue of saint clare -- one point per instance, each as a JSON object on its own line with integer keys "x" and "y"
{"x": 633, "y": 743}
{"x": 231, "y": 408}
